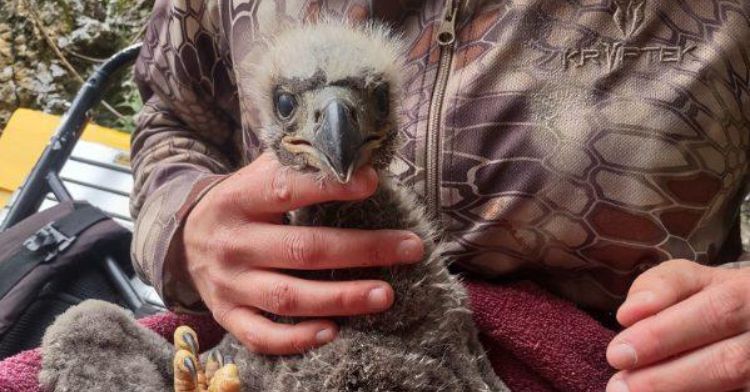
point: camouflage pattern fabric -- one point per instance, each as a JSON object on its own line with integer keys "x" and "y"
{"x": 577, "y": 142}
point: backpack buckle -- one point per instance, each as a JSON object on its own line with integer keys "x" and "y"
{"x": 48, "y": 241}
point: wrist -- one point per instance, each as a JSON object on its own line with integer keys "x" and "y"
{"x": 178, "y": 287}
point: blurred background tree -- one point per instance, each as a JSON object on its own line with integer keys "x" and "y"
{"x": 48, "y": 46}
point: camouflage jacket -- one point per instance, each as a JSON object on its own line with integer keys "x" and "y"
{"x": 578, "y": 143}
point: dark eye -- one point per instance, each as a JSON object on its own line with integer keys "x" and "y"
{"x": 382, "y": 101}
{"x": 285, "y": 105}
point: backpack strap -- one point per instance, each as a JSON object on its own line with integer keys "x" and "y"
{"x": 44, "y": 245}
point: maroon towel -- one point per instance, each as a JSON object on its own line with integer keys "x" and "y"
{"x": 536, "y": 342}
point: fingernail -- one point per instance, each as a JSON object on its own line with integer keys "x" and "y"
{"x": 324, "y": 336}
{"x": 362, "y": 182}
{"x": 622, "y": 356}
{"x": 639, "y": 298}
{"x": 370, "y": 173}
{"x": 410, "y": 249}
{"x": 617, "y": 384}
{"x": 377, "y": 298}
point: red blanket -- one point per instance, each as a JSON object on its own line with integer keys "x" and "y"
{"x": 536, "y": 342}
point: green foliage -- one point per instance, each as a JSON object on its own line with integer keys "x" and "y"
{"x": 40, "y": 40}
{"x": 124, "y": 97}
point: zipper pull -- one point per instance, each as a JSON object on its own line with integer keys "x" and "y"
{"x": 447, "y": 31}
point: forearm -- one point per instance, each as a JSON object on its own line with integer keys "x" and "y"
{"x": 173, "y": 168}
{"x": 157, "y": 240}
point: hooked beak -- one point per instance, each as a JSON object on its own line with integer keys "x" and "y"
{"x": 339, "y": 139}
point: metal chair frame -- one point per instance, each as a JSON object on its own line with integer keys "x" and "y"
{"x": 45, "y": 176}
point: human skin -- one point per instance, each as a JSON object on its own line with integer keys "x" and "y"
{"x": 235, "y": 244}
{"x": 687, "y": 326}
{"x": 687, "y": 329}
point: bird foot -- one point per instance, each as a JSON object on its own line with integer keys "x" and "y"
{"x": 218, "y": 375}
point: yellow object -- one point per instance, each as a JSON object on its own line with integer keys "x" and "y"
{"x": 189, "y": 373}
{"x": 25, "y": 137}
{"x": 226, "y": 379}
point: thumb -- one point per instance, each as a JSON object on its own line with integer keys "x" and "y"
{"x": 661, "y": 287}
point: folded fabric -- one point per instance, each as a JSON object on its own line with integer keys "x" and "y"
{"x": 538, "y": 342}
{"x": 535, "y": 341}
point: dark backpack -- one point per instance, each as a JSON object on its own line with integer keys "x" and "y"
{"x": 49, "y": 262}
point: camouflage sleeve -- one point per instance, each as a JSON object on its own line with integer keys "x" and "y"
{"x": 183, "y": 143}
{"x": 173, "y": 168}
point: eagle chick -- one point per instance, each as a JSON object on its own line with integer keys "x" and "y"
{"x": 325, "y": 97}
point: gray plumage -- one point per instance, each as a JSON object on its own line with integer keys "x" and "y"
{"x": 425, "y": 342}
{"x": 98, "y": 346}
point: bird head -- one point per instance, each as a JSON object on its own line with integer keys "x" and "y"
{"x": 324, "y": 94}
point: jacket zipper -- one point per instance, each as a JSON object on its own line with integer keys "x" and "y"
{"x": 446, "y": 38}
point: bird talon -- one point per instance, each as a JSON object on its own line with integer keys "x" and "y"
{"x": 189, "y": 364}
{"x": 214, "y": 362}
{"x": 192, "y": 343}
{"x": 186, "y": 339}
{"x": 186, "y": 375}
{"x": 226, "y": 379}
{"x": 188, "y": 372}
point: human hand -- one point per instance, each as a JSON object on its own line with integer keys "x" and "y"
{"x": 687, "y": 329}
{"x": 235, "y": 244}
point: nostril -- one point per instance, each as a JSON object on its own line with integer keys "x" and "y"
{"x": 299, "y": 142}
{"x": 371, "y": 138}
{"x": 316, "y": 116}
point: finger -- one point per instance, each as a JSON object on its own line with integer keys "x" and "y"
{"x": 723, "y": 366}
{"x": 714, "y": 314}
{"x": 267, "y": 187}
{"x": 661, "y": 287}
{"x": 264, "y": 336}
{"x": 285, "y": 295}
{"x": 312, "y": 248}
